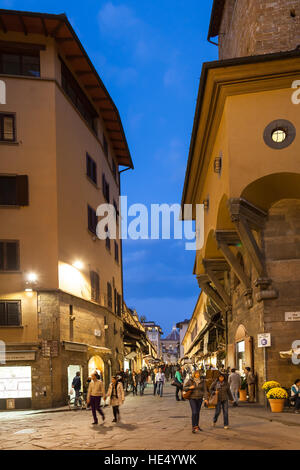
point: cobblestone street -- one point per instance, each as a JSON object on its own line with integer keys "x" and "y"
{"x": 149, "y": 423}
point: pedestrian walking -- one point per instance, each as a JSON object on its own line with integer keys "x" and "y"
{"x": 116, "y": 397}
{"x": 95, "y": 393}
{"x": 199, "y": 393}
{"x": 179, "y": 383}
{"x": 221, "y": 387}
{"x": 76, "y": 385}
{"x": 134, "y": 383}
{"x": 154, "y": 372}
{"x": 160, "y": 380}
{"x": 251, "y": 382}
{"x": 295, "y": 395}
{"x": 234, "y": 382}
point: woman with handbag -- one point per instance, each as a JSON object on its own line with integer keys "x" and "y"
{"x": 221, "y": 388}
{"x": 116, "y": 396}
{"x": 195, "y": 391}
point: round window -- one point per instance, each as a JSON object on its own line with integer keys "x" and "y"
{"x": 279, "y": 134}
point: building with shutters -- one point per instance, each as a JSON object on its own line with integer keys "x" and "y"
{"x": 244, "y": 165}
{"x": 61, "y": 145}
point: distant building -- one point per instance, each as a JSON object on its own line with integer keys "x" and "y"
{"x": 182, "y": 326}
{"x": 154, "y": 333}
{"x": 170, "y": 347}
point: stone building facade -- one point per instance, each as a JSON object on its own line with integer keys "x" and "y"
{"x": 253, "y": 27}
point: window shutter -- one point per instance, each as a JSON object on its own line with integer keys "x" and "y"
{"x": 12, "y": 256}
{"x": 2, "y": 314}
{"x": 13, "y": 313}
{"x": 22, "y": 190}
{"x": 1, "y": 256}
{"x": 249, "y": 351}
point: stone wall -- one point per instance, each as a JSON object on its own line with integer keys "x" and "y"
{"x": 253, "y": 27}
{"x": 282, "y": 248}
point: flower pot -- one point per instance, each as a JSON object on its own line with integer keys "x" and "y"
{"x": 277, "y": 405}
{"x": 243, "y": 395}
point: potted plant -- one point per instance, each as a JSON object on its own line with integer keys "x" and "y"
{"x": 269, "y": 385}
{"x": 277, "y": 397}
{"x": 243, "y": 389}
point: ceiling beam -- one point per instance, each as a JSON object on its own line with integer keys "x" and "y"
{"x": 61, "y": 40}
{"x": 57, "y": 29}
{"x": 23, "y": 25}
{"x": 2, "y": 24}
{"x": 83, "y": 72}
{"x": 44, "y": 27}
{"x": 74, "y": 57}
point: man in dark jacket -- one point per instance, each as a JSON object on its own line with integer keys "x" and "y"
{"x": 222, "y": 388}
{"x": 76, "y": 384}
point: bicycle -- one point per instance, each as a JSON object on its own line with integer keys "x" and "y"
{"x": 81, "y": 402}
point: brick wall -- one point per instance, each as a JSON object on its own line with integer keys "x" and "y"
{"x": 252, "y": 27}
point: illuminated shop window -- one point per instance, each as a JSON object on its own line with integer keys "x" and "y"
{"x": 15, "y": 382}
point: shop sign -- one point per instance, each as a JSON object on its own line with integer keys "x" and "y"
{"x": 75, "y": 347}
{"x": 20, "y": 356}
{"x": 10, "y": 404}
{"x": 264, "y": 340}
{"x": 49, "y": 348}
{"x": 292, "y": 316}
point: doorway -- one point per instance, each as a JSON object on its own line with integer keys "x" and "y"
{"x": 72, "y": 369}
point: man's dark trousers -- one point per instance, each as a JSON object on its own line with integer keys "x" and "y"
{"x": 95, "y": 405}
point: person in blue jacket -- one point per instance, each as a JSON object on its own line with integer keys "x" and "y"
{"x": 295, "y": 395}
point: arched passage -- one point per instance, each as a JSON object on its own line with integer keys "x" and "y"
{"x": 96, "y": 364}
{"x": 266, "y": 191}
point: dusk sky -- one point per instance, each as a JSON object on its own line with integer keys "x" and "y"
{"x": 149, "y": 54}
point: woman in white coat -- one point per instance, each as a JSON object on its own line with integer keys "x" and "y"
{"x": 116, "y": 397}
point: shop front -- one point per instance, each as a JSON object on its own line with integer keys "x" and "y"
{"x": 16, "y": 380}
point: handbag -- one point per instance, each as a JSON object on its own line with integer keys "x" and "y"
{"x": 213, "y": 399}
{"x": 187, "y": 395}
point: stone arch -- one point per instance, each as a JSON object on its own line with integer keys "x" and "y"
{"x": 240, "y": 333}
{"x": 266, "y": 191}
{"x": 211, "y": 250}
{"x": 224, "y": 221}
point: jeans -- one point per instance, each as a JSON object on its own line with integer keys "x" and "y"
{"x": 222, "y": 405}
{"x": 154, "y": 388}
{"x": 160, "y": 386}
{"x": 95, "y": 404}
{"x": 297, "y": 404}
{"x": 235, "y": 394}
{"x": 196, "y": 404}
{"x": 177, "y": 393}
{"x": 134, "y": 389}
{"x": 142, "y": 388}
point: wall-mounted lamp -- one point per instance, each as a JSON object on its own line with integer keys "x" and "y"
{"x": 31, "y": 280}
{"x": 206, "y": 203}
{"x": 218, "y": 164}
{"x": 78, "y": 264}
